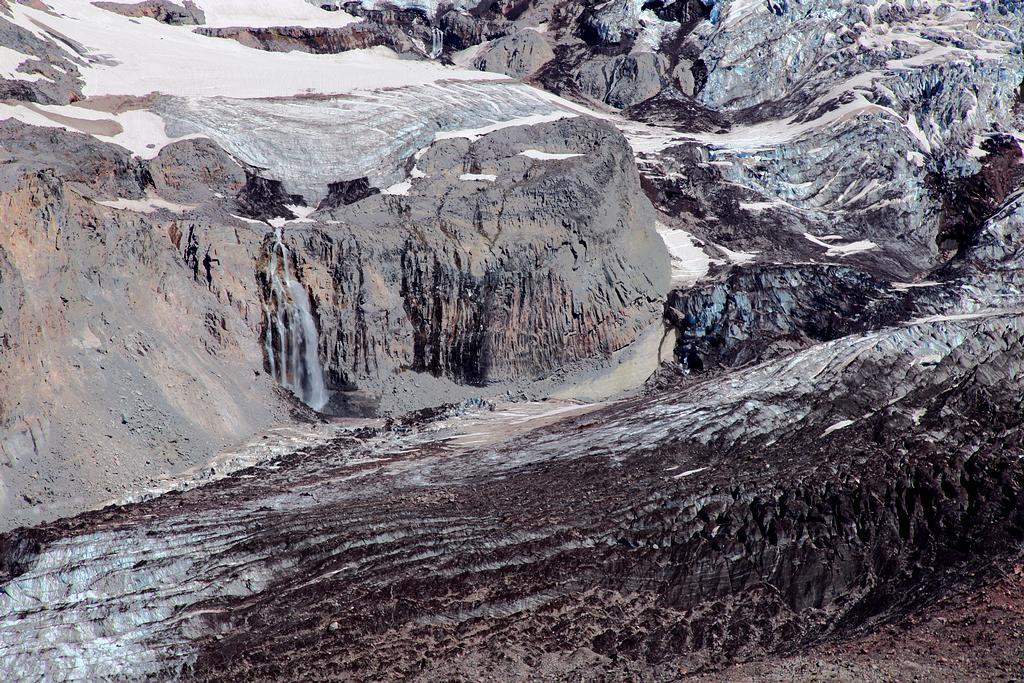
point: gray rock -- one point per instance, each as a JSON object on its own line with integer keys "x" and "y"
{"x": 624, "y": 80}
{"x": 164, "y": 11}
{"x": 518, "y": 55}
{"x": 550, "y": 264}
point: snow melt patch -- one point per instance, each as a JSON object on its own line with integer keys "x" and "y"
{"x": 485, "y": 177}
{"x": 688, "y": 473}
{"x": 399, "y": 189}
{"x": 10, "y": 60}
{"x": 475, "y": 133}
{"x": 689, "y": 262}
{"x": 837, "y": 426}
{"x": 139, "y": 131}
{"x": 247, "y": 220}
{"x": 148, "y": 205}
{"x": 755, "y": 207}
{"x": 841, "y": 249}
{"x": 546, "y": 156}
{"x": 904, "y": 286}
{"x": 738, "y": 258}
{"x": 302, "y": 213}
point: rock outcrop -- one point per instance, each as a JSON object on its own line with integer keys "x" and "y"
{"x": 518, "y": 55}
{"x": 493, "y": 272}
{"x": 164, "y": 11}
{"x": 493, "y": 267}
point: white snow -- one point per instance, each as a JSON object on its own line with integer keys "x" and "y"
{"x": 284, "y": 112}
{"x": 904, "y": 286}
{"x": 837, "y": 426}
{"x": 763, "y": 206}
{"x": 302, "y": 213}
{"x": 689, "y": 262}
{"x": 399, "y": 189}
{"x": 10, "y": 60}
{"x": 919, "y": 135}
{"x": 126, "y": 56}
{"x": 841, "y": 249}
{"x": 475, "y": 133}
{"x": 738, "y": 257}
{"x": 247, "y": 220}
{"x": 647, "y": 139}
{"x": 142, "y": 132}
{"x": 688, "y": 473}
{"x": 148, "y": 205}
{"x": 485, "y": 177}
{"x": 546, "y": 156}
{"x": 928, "y": 359}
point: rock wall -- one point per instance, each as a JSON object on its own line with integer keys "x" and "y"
{"x": 121, "y": 362}
{"x": 495, "y": 267}
{"x": 134, "y": 310}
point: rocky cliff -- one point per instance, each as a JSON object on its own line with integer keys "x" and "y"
{"x": 493, "y": 267}
{"x": 141, "y": 333}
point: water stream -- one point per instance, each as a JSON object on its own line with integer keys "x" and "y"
{"x": 291, "y": 339}
{"x": 437, "y": 47}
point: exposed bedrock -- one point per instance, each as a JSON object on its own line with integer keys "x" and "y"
{"x": 622, "y": 80}
{"x": 164, "y": 11}
{"x": 518, "y": 55}
{"x": 409, "y": 31}
{"x": 493, "y": 267}
{"x": 405, "y": 37}
{"x": 49, "y": 75}
{"x": 125, "y": 354}
{"x": 967, "y": 202}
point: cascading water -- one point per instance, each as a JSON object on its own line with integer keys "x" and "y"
{"x": 291, "y": 339}
{"x": 438, "y": 43}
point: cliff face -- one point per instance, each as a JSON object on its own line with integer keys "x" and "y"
{"x": 121, "y": 362}
{"x": 136, "y": 301}
{"x": 493, "y": 267}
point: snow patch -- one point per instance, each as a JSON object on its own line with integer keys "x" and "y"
{"x": 837, "y": 426}
{"x": 148, "y": 205}
{"x": 841, "y": 249}
{"x": 10, "y": 60}
{"x": 755, "y": 207}
{"x": 689, "y": 262}
{"x": 475, "y": 133}
{"x": 738, "y": 258}
{"x": 688, "y": 473}
{"x": 302, "y": 213}
{"x": 904, "y": 286}
{"x": 486, "y": 177}
{"x": 399, "y": 189}
{"x": 139, "y": 131}
{"x": 546, "y": 156}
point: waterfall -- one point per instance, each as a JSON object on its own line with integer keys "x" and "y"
{"x": 291, "y": 338}
{"x": 438, "y": 47}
